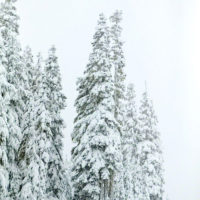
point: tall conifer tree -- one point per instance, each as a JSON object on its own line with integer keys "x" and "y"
{"x": 14, "y": 66}
{"x": 96, "y": 153}
{"x": 118, "y": 64}
{"x": 24, "y": 108}
{"x": 7, "y": 95}
{"x": 33, "y": 155}
{"x": 57, "y": 186}
{"x": 149, "y": 154}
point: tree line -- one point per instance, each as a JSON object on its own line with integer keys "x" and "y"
{"x": 117, "y": 152}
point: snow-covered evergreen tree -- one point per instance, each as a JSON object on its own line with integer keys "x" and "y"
{"x": 96, "y": 155}
{"x": 118, "y": 64}
{"x": 56, "y": 174}
{"x": 7, "y": 95}
{"x": 33, "y": 155}
{"x": 29, "y": 72}
{"x": 9, "y": 32}
{"x": 23, "y": 108}
{"x": 13, "y": 65}
{"x": 150, "y": 185}
{"x": 129, "y": 141}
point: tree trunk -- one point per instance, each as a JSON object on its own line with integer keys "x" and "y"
{"x": 101, "y": 197}
{"x": 111, "y": 186}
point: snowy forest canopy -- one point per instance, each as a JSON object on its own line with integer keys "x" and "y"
{"x": 117, "y": 150}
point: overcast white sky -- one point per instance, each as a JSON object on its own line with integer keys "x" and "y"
{"x": 162, "y": 46}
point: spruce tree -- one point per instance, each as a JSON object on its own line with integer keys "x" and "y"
{"x": 57, "y": 187}
{"x": 149, "y": 155}
{"x": 7, "y": 95}
{"x": 33, "y": 155}
{"x": 24, "y": 107}
{"x": 28, "y": 85}
{"x": 129, "y": 142}
{"x": 96, "y": 155}
{"x": 118, "y": 64}
{"x": 14, "y": 66}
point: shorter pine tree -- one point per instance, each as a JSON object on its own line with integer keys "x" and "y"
{"x": 33, "y": 155}
{"x": 150, "y": 176}
{"x": 129, "y": 142}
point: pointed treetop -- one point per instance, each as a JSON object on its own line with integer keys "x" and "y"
{"x": 52, "y": 50}
{"x": 102, "y": 19}
{"x": 39, "y": 56}
{"x": 39, "y": 66}
{"x": 145, "y": 94}
{"x": 102, "y": 16}
{"x": 101, "y": 33}
{"x": 27, "y": 50}
{"x": 116, "y": 17}
{"x": 145, "y": 86}
{"x": 8, "y": 16}
{"x": 130, "y": 92}
{"x": 130, "y": 86}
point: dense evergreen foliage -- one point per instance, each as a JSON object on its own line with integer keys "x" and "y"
{"x": 117, "y": 150}
{"x": 118, "y": 64}
{"x": 13, "y": 66}
{"x": 149, "y": 154}
{"x": 31, "y": 125}
{"x": 96, "y": 154}
{"x": 129, "y": 141}
{"x": 117, "y": 153}
{"x": 57, "y": 181}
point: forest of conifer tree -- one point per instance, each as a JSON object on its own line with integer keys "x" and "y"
{"x": 117, "y": 153}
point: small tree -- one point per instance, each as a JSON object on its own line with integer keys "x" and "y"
{"x": 129, "y": 142}
{"x": 151, "y": 181}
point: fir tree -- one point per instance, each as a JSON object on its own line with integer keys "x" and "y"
{"x": 56, "y": 174}
{"x": 96, "y": 155}
{"x": 24, "y": 108}
{"x": 118, "y": 64}
{"x": 33, "y": 155}
{"x": 149, "y": 155}
{"x": 129, "y": 141}
{"x": 7, "y": 95}
{"x": 28, "y": 86}
{"x": 13, "y": 65}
